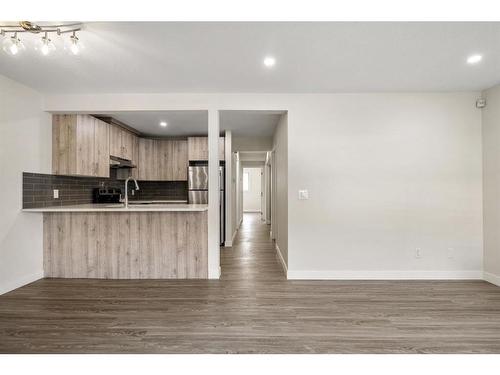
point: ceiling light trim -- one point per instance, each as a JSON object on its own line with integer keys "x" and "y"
{"x": 474, "y": 59}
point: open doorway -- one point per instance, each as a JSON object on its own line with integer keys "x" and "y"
{"x": 252, "y": 190}
{"x": 255, "y": 175}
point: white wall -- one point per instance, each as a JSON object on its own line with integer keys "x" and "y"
{"x": 229, "y": 186}
{"x": 280, "y": 218}
{"x": 235, "y": 187}
{"x": 491, "y": 184}
{"x": 386, "y": 173}
{"x": 214, "y": 270}
{"x": 267, "y": 191}
{"x": 25, "y": 146}
{"x": 252, "y": 143}
{"x": 239, "y": 193}
{"x": 252, "y": 197}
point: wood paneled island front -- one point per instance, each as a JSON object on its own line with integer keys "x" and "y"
{"x": 89, "y": 241}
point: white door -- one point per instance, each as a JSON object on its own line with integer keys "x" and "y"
{"x": 252, "y": 189}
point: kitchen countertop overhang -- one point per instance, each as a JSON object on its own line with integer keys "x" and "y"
{"x": 119, "y": 207}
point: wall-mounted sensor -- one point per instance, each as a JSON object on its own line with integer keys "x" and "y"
{"x": 480, "y": 103}
{"x": 303, "y": 194}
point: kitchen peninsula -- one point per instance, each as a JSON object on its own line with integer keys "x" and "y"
{"x": 157, "y": 235}
{"x": 167, "y": 241}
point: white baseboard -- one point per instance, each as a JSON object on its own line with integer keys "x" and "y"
{"x": 384, "y": 275}
{"x": 279, "y": 255}
{"x": 230, "y": 242}
{"x": 14, "y": 284}
{"x": 214, "y": 274}
{"x": 491, "y": 278}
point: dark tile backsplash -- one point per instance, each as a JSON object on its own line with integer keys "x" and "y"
{"x": 38, "y": 189}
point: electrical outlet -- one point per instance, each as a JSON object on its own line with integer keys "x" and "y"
{"x": 451, "y": 253}
{"x": 56, "y": 194}
{"x": 418, "y": 253}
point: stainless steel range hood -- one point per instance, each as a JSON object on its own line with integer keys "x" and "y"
{"x": 115, "y": 162}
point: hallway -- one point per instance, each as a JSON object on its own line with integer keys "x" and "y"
{"x": 252, "y": 256}
{"x": 252, "y": 309}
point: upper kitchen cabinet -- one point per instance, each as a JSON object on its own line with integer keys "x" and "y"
{"x": 162, "y": 160}
{"x": 80, "y": 146}
{"x": 180, "y": 161}
{"x": 148, "y": 163}
{"x": 135, "y": 158}
{"x": 121, "y": 142}
{"x": 198, "y": 148}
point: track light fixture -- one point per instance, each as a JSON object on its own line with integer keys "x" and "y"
{"x": 13, "y": 45}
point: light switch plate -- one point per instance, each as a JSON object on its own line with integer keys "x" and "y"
{"x": 418, "y": 253}
{"x": 56, "y": 194}
{"x": 303, "y": 194}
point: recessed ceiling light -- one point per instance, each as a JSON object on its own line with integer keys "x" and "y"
{"x": 269, "y": 61}
{"x": 163, "y": 124}
{"x": 474, "y": 59}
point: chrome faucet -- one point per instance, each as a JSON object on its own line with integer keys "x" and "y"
{"x": 126, "y": 189}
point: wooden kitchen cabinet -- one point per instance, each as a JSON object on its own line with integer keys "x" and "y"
{"x": 147, "y": 166}
{"x": 179, "y": 161}
{"x": 198, "y": 148}
{"x": 121, "y": 142}
{"x": 127, "y": 144}
{"x": 101, "y": 151}
{"x": 80, "y": 146}
{"x": 174, "y": 162}
{"x": 162, "y": 160}
{"x": 115, "y": 141}
{"x": 163, "y": 153}
{"x": 135, "y": 158}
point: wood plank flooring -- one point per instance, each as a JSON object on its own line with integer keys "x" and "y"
{"x": 252, "y": 309}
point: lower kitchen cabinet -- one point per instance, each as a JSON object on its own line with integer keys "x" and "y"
{"x": 126, "y": 245}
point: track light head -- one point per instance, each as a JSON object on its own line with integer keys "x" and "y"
{"x": 13, "y": 45}
{"x": 75, "y": 44}
{"x": 45, "y": 45}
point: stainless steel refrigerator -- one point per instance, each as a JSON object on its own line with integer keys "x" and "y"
{"x": 198, "y": 191}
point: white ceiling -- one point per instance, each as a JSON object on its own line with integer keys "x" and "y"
{"x": 184, "y": 123}
{"x": 179, "y": 123}
{"x": 227, "y": 57}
